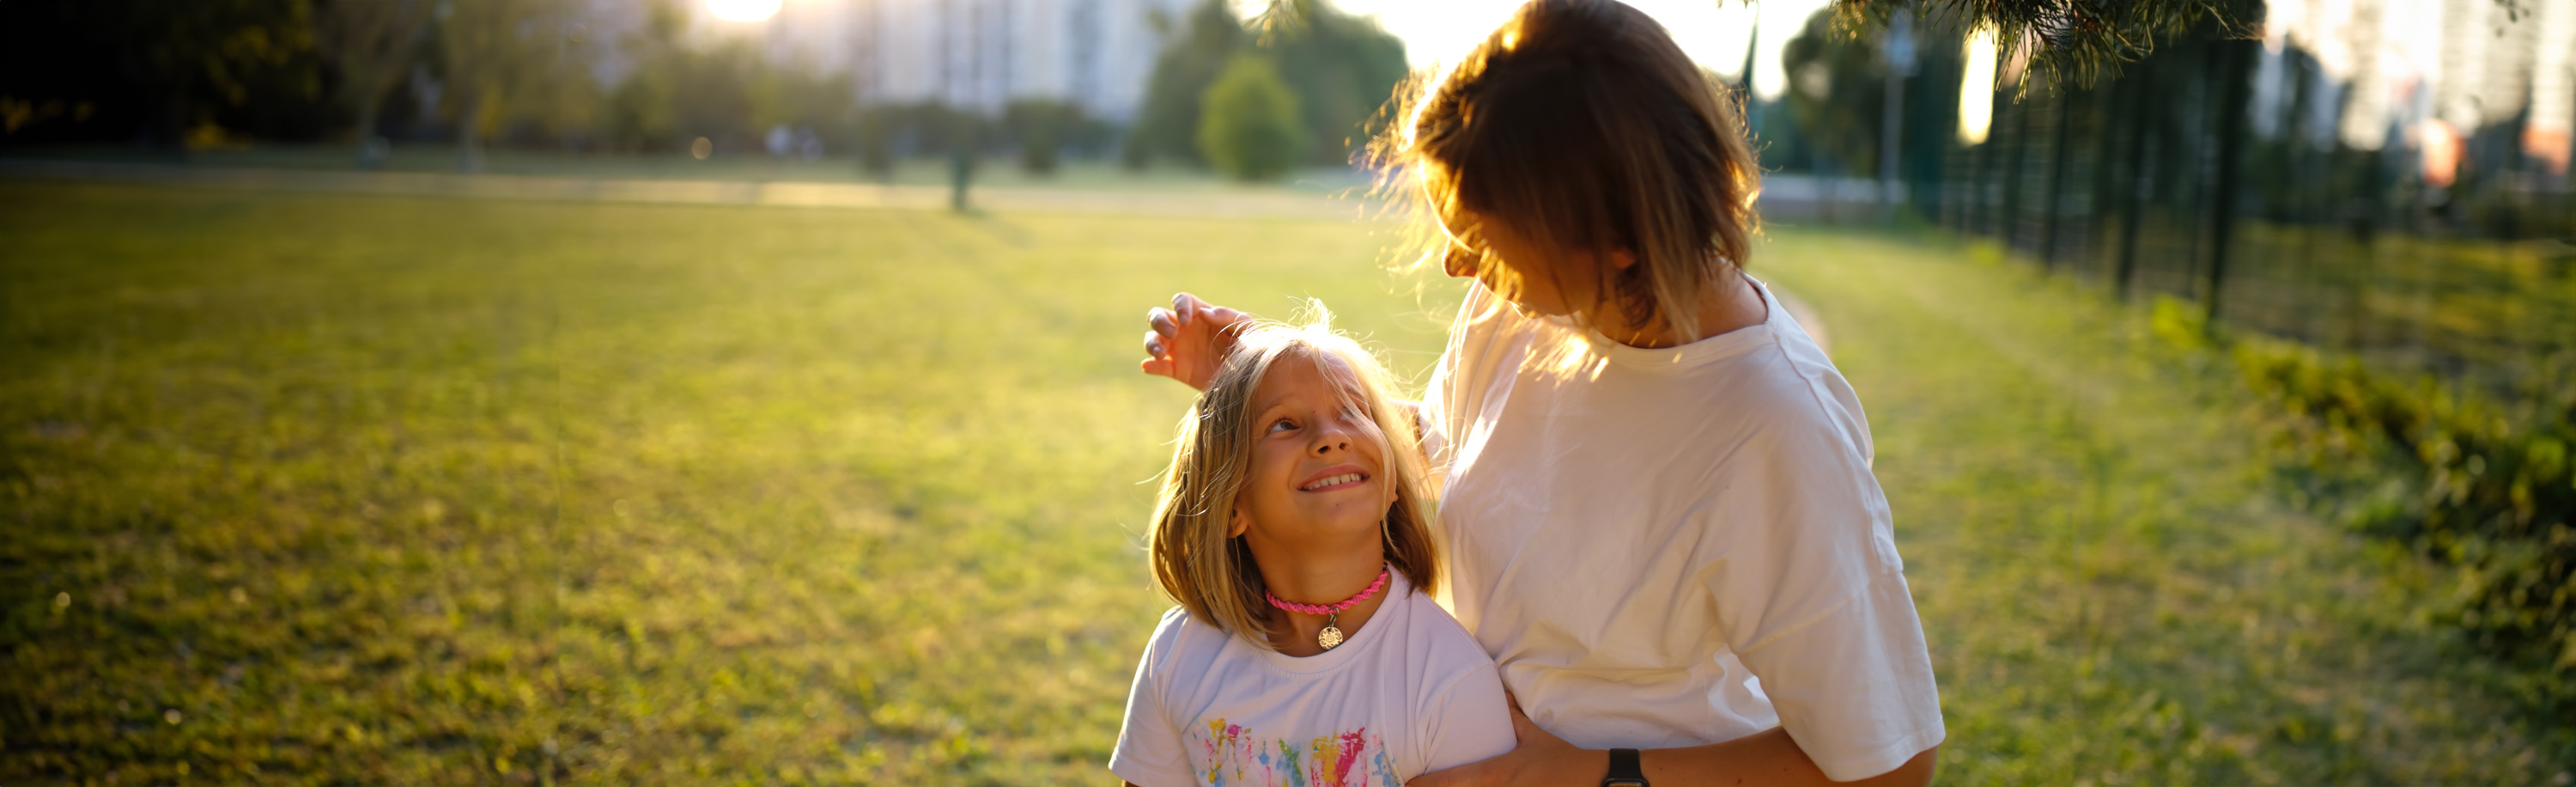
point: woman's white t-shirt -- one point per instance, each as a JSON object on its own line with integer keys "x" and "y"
{"x": 1408, "y": 694}
{"x": 1637, "y": 535}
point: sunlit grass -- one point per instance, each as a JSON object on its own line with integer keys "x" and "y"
{"x": 2112, "y": 590}
{"x": 419, "y": 491}
{"x": 381, "y": 490}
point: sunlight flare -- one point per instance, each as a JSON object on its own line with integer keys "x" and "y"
{"x": 1977, "y": 88}
{"x": 743, "y": 10}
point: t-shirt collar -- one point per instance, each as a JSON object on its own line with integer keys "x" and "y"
{"x": 1690, "y": 355}
{"x": 1390, "y": 615}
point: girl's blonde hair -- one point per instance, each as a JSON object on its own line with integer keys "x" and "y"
{"x": 1213, "y": 576}
{"x": 1582, "y": 126}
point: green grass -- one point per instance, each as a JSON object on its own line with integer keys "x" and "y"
{"x": 2113, "y": 591}
{"x": 328, "y": 489}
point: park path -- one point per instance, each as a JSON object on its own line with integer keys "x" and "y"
{"x": 1214, "y": 203}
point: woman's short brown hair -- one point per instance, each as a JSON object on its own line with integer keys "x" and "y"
{"x": 1582, "y": 125}
{"x": 1212, "y": 574}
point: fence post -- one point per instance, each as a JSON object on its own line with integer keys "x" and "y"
{"x": 2012, "y": 175}
{"x": 2142, "y": 134}
{"x": 2233, "y": 92}
{"x": 2056, "y": 180}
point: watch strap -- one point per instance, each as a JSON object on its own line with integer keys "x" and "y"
{"x": 1625, "y": 770}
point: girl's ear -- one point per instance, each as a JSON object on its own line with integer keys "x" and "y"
{"x": 1236, "y": 524}
{"x": 1622, "y": 259}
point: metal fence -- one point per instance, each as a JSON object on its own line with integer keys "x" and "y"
{"x": 2224, "y": 171}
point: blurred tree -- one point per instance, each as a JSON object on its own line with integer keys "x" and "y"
{"x": 2074, "y": 42}
{"x": 1340, "y": 67}
{"x": 1251, "y": 129}
{"x": 964, "y": 133}
{"x": 371, "y": 42}
{"x": 1837, "y": 94}
{"x": 2079, "y": 39}
{"x": 1043, "y": 128}
{"x": 1168, "y": 124}
{"x": 497, "y": 52}
{"x": 642, "y": 114}
{"x": 718, "y": 92}
{"x": 877, "y": 129}
{"x": 158, "y": 71}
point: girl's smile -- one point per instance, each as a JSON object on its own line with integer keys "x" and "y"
{"x": 1335, "y": 478}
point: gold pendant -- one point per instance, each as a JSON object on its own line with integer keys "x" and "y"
{"x": 1330, "y": 637}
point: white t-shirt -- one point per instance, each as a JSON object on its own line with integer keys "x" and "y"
{"x": 1635, "y": 535}
{"x": 1408, "y": 694}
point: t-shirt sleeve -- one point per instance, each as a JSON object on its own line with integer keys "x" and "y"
{"x": 1811, "y": 596}
{"x": 1467, "y": 720}
{"x": 1150, "y": 752}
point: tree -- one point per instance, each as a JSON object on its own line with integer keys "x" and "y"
{"x": 497, "y": 52}
{"x": 1169, "y": 122}
{"x": 1837, "y": 95}
{"x": 1044, "y": 127}
{"x": 157, "y": 70}
{"x": 1251, "y": 129}
{"x": 642, "y": 110}
{"x": 2079, "y": 39}
{"x": 371, "y": 42}
{"x": 1341, "y": 68}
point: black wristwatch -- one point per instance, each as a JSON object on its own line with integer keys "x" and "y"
{"x": 1624, "y": 770}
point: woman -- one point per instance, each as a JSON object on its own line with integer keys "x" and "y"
{"x": 1662, "y": 523}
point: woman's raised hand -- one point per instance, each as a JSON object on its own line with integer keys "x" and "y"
{"x": 1189, "y": 340}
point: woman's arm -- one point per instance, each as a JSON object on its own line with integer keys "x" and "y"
{"x": 1768, "y": 757}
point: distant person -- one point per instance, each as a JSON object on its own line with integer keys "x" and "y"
{"x": 1293, "y": 528}
{"x": 1657, "y": 500}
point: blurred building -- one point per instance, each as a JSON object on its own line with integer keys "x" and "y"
{"x": 2426, "y": 73}
{"x": 978, "y": 54}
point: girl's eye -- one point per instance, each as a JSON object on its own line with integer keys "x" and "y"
{"x": 1282, "y": 424}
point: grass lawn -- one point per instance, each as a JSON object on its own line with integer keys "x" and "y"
{"x": 326, "y": 489}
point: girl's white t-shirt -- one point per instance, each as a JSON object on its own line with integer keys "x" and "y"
{"x": 1676, "y": 547}
{"x": 1407, "y": 694}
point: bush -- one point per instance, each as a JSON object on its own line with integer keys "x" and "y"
{"x": 1044, "y": 129}
{"x": 1249, "y": 125}
{"x": 2451, "y": 476}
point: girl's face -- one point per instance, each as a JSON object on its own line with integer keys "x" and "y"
{"x": 1318, "y": 474}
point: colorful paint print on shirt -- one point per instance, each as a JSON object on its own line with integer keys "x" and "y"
{"x": 1227, "y": 755}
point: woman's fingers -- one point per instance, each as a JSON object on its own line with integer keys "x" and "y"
{"x": 1158, "y": 356}
{"x": 1187, "y": 306}
{"x": 1163, "y": 321}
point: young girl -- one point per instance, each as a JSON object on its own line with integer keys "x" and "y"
{"x": 1658, "y": 497}
{"x": 1293, "y": 530}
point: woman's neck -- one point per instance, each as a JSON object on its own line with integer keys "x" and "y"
{"x": 1307, "y": 578}
{"x": 1728, "y": 304}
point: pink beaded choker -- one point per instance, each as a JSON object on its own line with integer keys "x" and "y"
{"x": 1331, "y": 636}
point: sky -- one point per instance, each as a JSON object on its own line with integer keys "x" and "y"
{"x": 1714, "y": 32}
